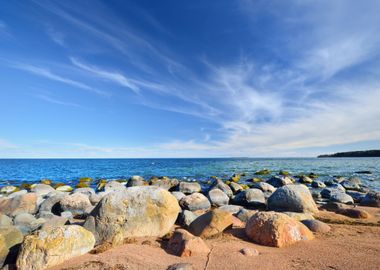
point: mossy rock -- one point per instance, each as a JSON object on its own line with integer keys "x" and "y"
{"x": 313, "y": 175}
{"x": 228, "y": 182}
{"x": 235, "y": 178}
{"x": 46, "y": 181}
{"x": 305, "y": 179}
{"x": 85, "y": 179}
{"x": 244, "y": 186}
{"x": 284, "y": 173}
{"x": 121, "y": 180}
{"x": 82, "y": 185}
{"x": 101, "y": 184}
{"x": 26, "y": 186}
{"x": 263, "y": 172}
{"x": 256, "y": 180}
{"x": 59, "y": 184}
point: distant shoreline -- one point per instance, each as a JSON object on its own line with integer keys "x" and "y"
{"x": 367, "y": 153}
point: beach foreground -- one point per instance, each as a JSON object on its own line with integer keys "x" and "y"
{"x": 344, "y": 247}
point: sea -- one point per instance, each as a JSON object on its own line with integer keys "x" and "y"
{"x": 68, "y": 171}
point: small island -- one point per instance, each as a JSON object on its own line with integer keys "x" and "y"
{"x": 367, "y": 153}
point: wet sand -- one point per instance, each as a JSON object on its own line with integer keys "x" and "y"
{"x": 346, "y": 246}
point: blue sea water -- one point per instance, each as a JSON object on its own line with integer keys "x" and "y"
{"x": 16, "y": 171}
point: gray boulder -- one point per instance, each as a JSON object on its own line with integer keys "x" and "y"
{"x": 189, "y": 187}
{"x": 186, "y": 217}
{"x": 279, "y": 181}
{"x": 341, "y": 197}
{"x": 371, "y": 199}
{"x": 42, "y": 189}
{"x": 217, "y": 197}
{"x": 292, "y": 198}
{"x": 178, "y": 195}
{"x": 219, "y": 184}
{"x": 265, "y": 187}
{"x": 252, "y": 197}
{"x": 77, "y": 204}
{"x": 113, "y": 186}
{"x": 194, "y": 202}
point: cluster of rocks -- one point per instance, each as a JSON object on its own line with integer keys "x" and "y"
{"x": 43, "y": 225}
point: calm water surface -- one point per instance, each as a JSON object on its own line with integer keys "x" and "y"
{"x": 15, "y": 171}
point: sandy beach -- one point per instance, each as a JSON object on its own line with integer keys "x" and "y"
{"x": 346, "y": 246}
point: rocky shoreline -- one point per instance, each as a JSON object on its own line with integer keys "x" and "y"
{"x": 45, "y": 224}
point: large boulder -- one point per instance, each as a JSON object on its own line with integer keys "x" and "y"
{"x": 133, "y": 212}
{"x": 371, "y": 199}
{"x": 52, "y": 204}
{"x": 27, "y": 223}
{"x": 219, "y": 184}
{"x": 87, "y": 191}
{"x": 211, "y": 223}
{"x": 276, "y": 230}
{"x": 26, "y": 203}
{"x": 189, "y": 187}
{"x": 252, "y": 197}
{"x": 77, "y": 204}
{"x": 292, "y": 198}
{"x": 42, "y": 189}
{"x": 194, "y": 202}
{"x": 184, "y": 244}
{"x": 217, "y": 197}
{"x": 5, "y": 220}
{"x": 53, "y": 246}
{"x": 10, "y": 238}
{"x": 279, "y": 181}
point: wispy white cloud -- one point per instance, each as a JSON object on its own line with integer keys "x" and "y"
{"x": 46, "y": 73}
{"x": 57, "y": 101}
{"x": 56, "y": 36}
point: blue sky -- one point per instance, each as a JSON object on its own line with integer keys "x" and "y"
{"x": 188, "y": 78}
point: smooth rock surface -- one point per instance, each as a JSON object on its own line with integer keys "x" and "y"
{"x": 211, "y": 223}
{"x": 194, "y": 202}
{"x": 217, "y": 197}
{"x": 184, "y": 244}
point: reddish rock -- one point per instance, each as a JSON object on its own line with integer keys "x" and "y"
{"x": 276, "y": 230}
{"x": 184, "y": 244}
{"x": 211, "y": 223}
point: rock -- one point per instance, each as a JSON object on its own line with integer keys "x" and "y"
{"x": 164, "y": 182}
{"x": 86, "y": 191}
{"x": 316, "y": 225}
{"x": 356, "y": 195}
{"x": 235, "y": 187}
{"x": 263, "y": 172}
{"x": 305, "y": 179}
{"x": 244, "y": 215}
{"x": 5, "y": 221}
{"x": 136, "y": 181}
{"x": 217, "y": 197}
{"x": 77, "y": 204}
{"x": 292, "y": 198}
{"x": 95, "y": 198}
{"x": 353, "y": 183}
{"x": 299, "y": 216}
{"x": 178, "y": 195}
{"x": 186, "y": 217}
{"x": 52, "y": 204}
{"x": 26, "y": 203}
{"x": 371, "y": 199}
{"x": 53, "y": 246}
{"x": 211, "y": 223}
{"x": 249, "y": 252}
{"x": 194, "y": 202}
{"x": 252, "y": 197}
{"x": 354, "y": 213}
{"x": 265, "y": 187}
{"x": 184, "y": 244}
{"x": 189, "y": 187}
{"x": 8, "y": 189}
{"x": 133, "y": 212}
{"x": 65, "y": 188}
{"x": 233, "y": 209}
{"x": 341, "y": 197}
{"x": 67, "y": 214}
{"x": 17, "y": 193}
{"x": 279, "y": 181}
{"x": 54, "y": 222}
{"x": 218, "y": 184}
{"x": 42, "y": 189}
{"x": 113, "y": 186}
{"x": 318, "y": 184}
{"x": 276, "y": 230}
{"x": 181, "y": 266}
{"x": 364, "y": 172}
{"x": 27, "y": 223}
{"x": 10, "y": 238}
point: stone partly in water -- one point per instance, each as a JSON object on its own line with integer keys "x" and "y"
{"x": 279, "y": 181}
{"x": 195, "y": 202}
{"x": 10, "y": 238}
{"x": 276, "y": 230}
{"x": 219, "y": 184}
{"x": 211, "y": 223}
{"x": 136, "y": 181}
{"x": 218, "y": 197}
{"x": 26, "y": 203}
{"x": 133, "y": 212}
{"x": 64, "y": 188}
{"x": 371, "y": 199}
{"x": 53, "y": 246}
{"x": 184, "y": 244}
{"x": 292, "y": 198}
